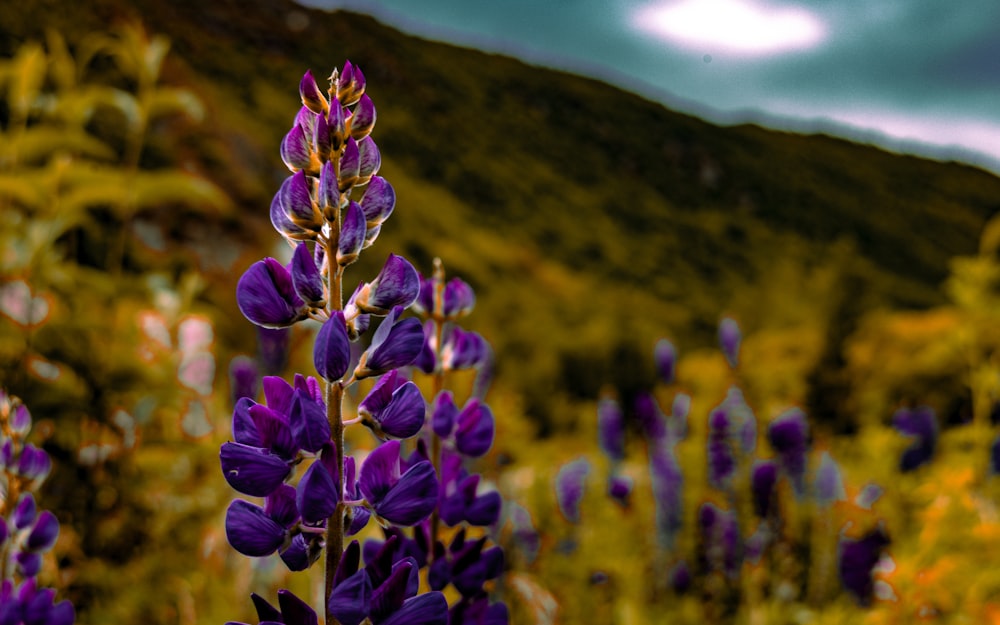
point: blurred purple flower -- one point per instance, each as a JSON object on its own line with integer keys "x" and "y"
{"x": 763, "y": 479}
{"x": 788, "y": 434}
{"x": 244, "y": 378}
{"x": 570, "y": 482}
{"x": 829, "y": 484}
{"x": 729, "y": 340}
{"x": 856, "y": 561}
{"x": 920, "y": 424}
{"x": 665, "y": 355}
{"x": 611, "y": 429}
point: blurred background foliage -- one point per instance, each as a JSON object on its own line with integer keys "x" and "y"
{"x": 138, "y": 157}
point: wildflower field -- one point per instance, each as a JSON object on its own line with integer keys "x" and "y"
{"x": 305, "y": 320}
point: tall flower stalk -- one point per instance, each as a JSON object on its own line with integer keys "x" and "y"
{"x": 330, "y": 210}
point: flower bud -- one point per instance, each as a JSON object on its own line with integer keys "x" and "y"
{"x": 444, "y": 414}
{"x": 378, "y": 201}
{"x": 244, "y": 378}
{"x": 352, "y": 234}
{"x": 570, "y": 482}
{"x": 336, "y": 121}
{"x": 321, "y": 138}
{"x": 459, "y": 299}
{"x": 296, "y": 198}
{"x": 394, "y": 345}
{"x": 665, "y": 355}
{"x": 398, "y": 284}
{"x": 295, "y": 149}
{"x": 476, "y": 429}
{"x": 332, "y": 351}
{"x": 266, "y": 295}
{"x": 349, "y": 165}
{"x": 34, "y": 463}
{"x": 284, "y": 224}
{"x": 370, "y": 159}
{"x": 371, "y": 233}
{"x": 306, "y": 278}
{"x": 24, "y": 512}
{"x": 43, "y": 535}
{"x": 611, "y": 429}
{"x": 363, "y": 119}
{"x": 312, "y": 97}
{"x": 350, "y": 84}
{"x": 729, "y": 340}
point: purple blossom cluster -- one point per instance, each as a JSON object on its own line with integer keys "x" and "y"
{"x": 288, "y": 451}
{"x": 26, "y": 532}
{"x": 753, "y": 493}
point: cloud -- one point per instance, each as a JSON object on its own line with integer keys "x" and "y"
{"x": 742, "y": 27}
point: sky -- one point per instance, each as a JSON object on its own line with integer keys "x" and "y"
{"x": 914, "y": 76}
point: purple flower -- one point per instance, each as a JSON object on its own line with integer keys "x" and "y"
{"x": 665, "y": 355}
{"x": 352, "y": 234}
{"x": 466, "y": 565}
{"x": 306, "y": 277}
{"x": 611, "y": 429}
{"x": 316, "y": 495}
{"x": 272, "y": 349}
{"x": 856, "y": 561}
{"x": 394, "y": 344}
{"x": 729, "y": 340}
{"x": 244, "y": 379}
{"x": 721, "y": 456}
{"x": 350, "y": 165}
{"x": 444, "y": 414}
{"x": 620, "y": 489}
{"x": 398, "y": 284}
{"x": 788, "y": 434}
{"x": 652, "y": 420}
{"x": 296, "y": 149}
{"x": 763, "y": 478}
{"x": 458, "y": 299}
{"x": 312, "y": 97}
{"x": 401, "y": 498}
{"x": 251, "y": 531}
{"x": 680, "y": 577}
{"x": 30, "y": 605}
{"x": 378, "y": 201}
{"x": 523, "y": 531}
{"x": 363, "y": 119}
{"x": 332, "y": 351}
{"x": 479, "y": 611}
{"x": 720, "y": 538}
{"x": 461, "y": 349}
{"x": 394, "y": 407}
{"x": 829, "y": 485}
{"x": 570, "y": 482}
{"x": 296, "y": 200}
{"x": 667, "y": 483}
{"x": 266, "y": 296}
{"x": 370, "y": 158}
{"x": 460, "y": 496}
{"x": 475, "y": 429}
{"x": 921, "y": 424}
{"x": 44, "y": 533}
{"x": 253, "y": 471}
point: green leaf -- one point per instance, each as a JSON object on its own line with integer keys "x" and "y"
{"x": 171, "y": 101}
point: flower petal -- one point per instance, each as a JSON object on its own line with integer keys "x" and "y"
{"x": 252, "y": 470}
{"x": 316, "y": 495}
{"x": 413, "y": 498}
{"x": 250, "y": 531}
{"x": 332, "y": 352}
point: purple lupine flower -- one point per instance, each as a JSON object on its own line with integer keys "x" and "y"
{"x": 570, "y": 482}
{"x": 788, "y": 434}
{"x": 383, "y": 592}
{"x": 461, "y": 498}
{"x": 363, "y": 119}
{"x": 475, "y": 429}
{"x": 479, "y": 611}
{"x": 856, "y": 562}
{"x": 296, "y": 149}
{"x": 665, "y": 355}
{"x": 350, "y": 165}
{"x": 720, "y": 538}
{"x": 721, "y": 457}
{"x": 244, "y": 378}
{"x": 466, "y": 565}
{"x": 444, "y": 414}
{"x": 266, "y": 296}
{"x": 316, "y": 495}
{"x": 729, "y": 340}
{"x": 394, "y": 345}
{"x": 743, "y": 423}
{"x": 921, "y": 424}
{"x": 291, "y": 610}
{"x": 680, "y": 577}
{"x": 312, "y": 97}
{"x": 424, "y": 304}
{"x": 43, "y": 534}
{"x": 394, "y": 407}
{"x": 870, "y": 493}
{"x": 33, "y": 464}
{"x": 402, "y": 498}
{"x": 461, "y": 349}
{"x": 370, "y": 158}
{"x": 19, "y": 421}
{"x": 31, "y": 605}
{"x": 251, "y": 531}
{"x": 296, "y": 200}
{"x": 679, "y": 410}
{"x": 668, "y": 483}
{"x": 378, "y": 201}
{"x": 828, "y": 485}
{"x": 523, "y": 531}
{"x": 272, "y": 349}
{"x": 352, "y": 234}
{"x": 24, "y": 512}
{"x": 650, "y": 417}
{"x": 306, "y": 277}
{"x": 458, "y": 299}
{"x": 253, "y": 471}
{"x": 611, "y": 429}
{"x": 332, "y": 351}
{"x": 398, "y": 284}
{"x": 763, "y": 479}
{"x": 350, "y": 84}
{"x": 620, "y": 489}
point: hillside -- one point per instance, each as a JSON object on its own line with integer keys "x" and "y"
{"x": 582, "y": 214}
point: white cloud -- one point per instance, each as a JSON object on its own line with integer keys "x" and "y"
{"x": 741, "y": 27}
